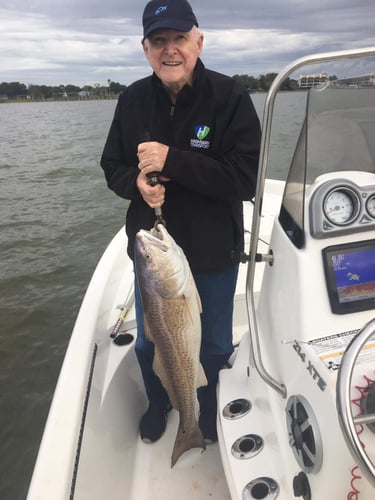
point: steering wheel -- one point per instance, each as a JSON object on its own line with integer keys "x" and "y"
{"x": 343, "y": 402}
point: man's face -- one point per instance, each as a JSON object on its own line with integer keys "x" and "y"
{"x": 173, "y": 55}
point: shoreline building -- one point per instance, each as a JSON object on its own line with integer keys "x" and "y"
{"x": 364, "y": 81}
{"x": 312, "y": 80}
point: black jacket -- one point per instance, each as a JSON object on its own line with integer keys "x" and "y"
{"x": 214, "y": 134}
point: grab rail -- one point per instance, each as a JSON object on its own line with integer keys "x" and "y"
{"x": 343, "y": 402}
{"x": 263, "y": 161}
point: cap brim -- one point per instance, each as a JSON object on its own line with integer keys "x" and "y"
{"x": 176, "y": 25}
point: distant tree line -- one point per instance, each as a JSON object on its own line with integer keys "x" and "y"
{"x": 17, "y": 90}
{"x": 264, "y": 82}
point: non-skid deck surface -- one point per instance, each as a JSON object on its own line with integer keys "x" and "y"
{"x": 197, "y": 475}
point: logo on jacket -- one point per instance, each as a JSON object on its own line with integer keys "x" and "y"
{"x": 201, "y": 132}
{"x": 161, "y": 9}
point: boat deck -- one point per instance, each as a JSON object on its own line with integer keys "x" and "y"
{"x": 113, "y": 457}
{"x": 110, "y": 456}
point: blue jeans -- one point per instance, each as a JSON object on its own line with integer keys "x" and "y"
{"x": 216, "y": 291}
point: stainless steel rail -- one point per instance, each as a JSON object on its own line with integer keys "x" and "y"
{"x": 263, "y": 161}
{"x": 343, "y": 402}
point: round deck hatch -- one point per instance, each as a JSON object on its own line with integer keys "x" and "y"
{"x": 123, "y": 339}
{"x": 261, "y": 488}
{"x": 247, "y": 446}
{"x": 236, "y": 409}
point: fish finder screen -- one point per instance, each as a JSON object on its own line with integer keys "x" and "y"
{"x": 350, "y": 275}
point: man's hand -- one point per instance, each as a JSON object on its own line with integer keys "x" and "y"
{"x": 152, "y": 156}
{"x": 153, "y": 195}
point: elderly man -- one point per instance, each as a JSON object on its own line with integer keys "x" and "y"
{"x": 198, "y": 130}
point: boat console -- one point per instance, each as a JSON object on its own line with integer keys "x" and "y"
{"x": 297, "y": 408}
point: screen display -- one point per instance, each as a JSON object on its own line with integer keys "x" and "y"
{"x": 350, "y": 274}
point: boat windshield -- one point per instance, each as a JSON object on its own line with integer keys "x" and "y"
{"x": 337, "y": 135}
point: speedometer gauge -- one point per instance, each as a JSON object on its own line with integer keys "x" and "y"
{"x": 341, "y": 206}
{"x": 370, "y": 206}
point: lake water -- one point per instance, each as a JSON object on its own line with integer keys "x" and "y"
{"x": 56, "y": 218}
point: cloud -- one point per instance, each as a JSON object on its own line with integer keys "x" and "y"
{"x": 58, "y": 42}
{"x": 40, "y": 50}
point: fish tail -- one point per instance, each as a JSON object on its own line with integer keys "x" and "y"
{"x": 186, "y": 440}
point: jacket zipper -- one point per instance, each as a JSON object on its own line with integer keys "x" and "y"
{"x": 171, "y": 119}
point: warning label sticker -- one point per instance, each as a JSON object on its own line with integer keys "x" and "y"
{"x": 331, "y": 349}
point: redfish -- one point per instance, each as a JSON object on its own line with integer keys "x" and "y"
{"x": 172, "y": 322}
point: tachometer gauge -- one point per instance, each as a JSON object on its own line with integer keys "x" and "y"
{"x": 370, "y": 206}
{"x": 341, "y": 206}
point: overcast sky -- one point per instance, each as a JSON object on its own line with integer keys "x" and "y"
{"x": 82, "y": 42}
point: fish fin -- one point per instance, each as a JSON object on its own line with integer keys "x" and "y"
{"x": 198, "y": 299}
{"x": 187, "y": 440}
{"x": 202, "y": 379}
{"x": 159, "y": 369}
{"x": 191, "y": 293}
{"x": 191, "y": 306}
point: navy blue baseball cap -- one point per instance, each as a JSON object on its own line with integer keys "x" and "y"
{"x": 168, "y": 14}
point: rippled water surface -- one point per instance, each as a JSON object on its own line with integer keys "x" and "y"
{"x": 56, "y": 218}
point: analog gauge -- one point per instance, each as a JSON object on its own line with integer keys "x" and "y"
{"x": 341, "y": 206}
{"x": 370, "y": 206}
